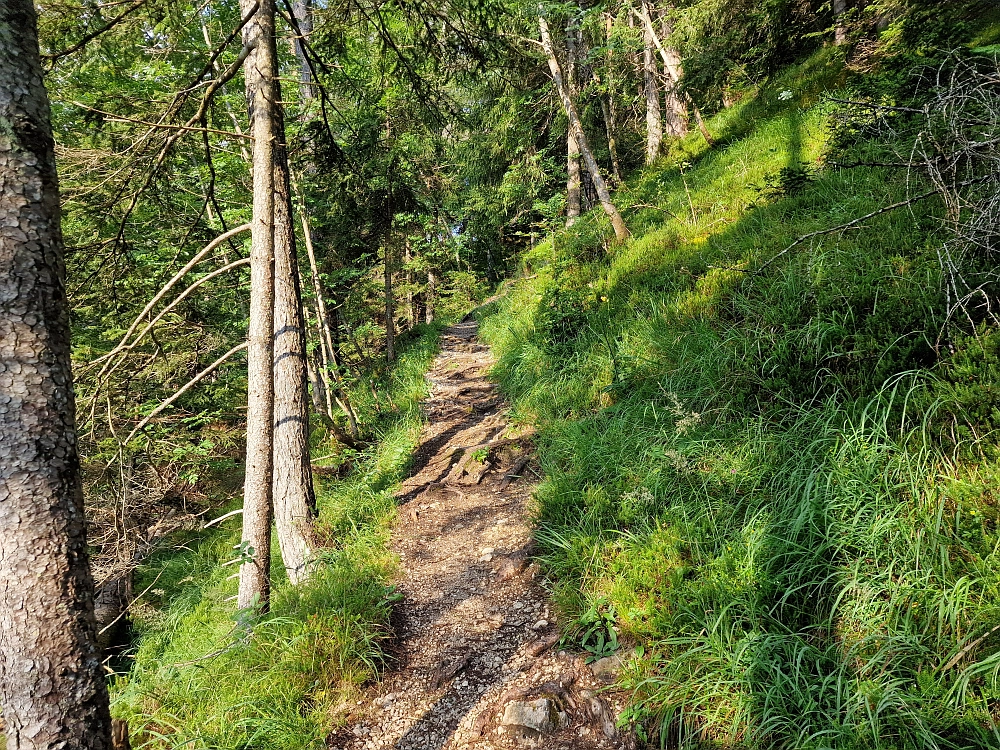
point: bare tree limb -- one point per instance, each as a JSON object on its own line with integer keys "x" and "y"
{"x": 198, "y": 257}
{"x": 123, "y": 347}
{"x": 185, "y": 388}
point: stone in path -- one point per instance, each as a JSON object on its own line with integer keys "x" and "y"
{"x": 475, "y": 667}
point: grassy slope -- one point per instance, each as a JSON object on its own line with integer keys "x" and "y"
{"x": 766, "y": 480}
{"x": 201, "y": 680}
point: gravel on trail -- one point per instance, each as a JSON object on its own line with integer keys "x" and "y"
{"x": 476, "y": 662}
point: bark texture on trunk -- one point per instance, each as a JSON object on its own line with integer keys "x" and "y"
{"x": 573, "y": 177}
{"x": 621, "y": 231}
{"x": 840, "y": 29}
{"x": 52, "y": 689}
{"x": 673, "y": 72}
{"x": 651, "y": 88}
{"x": 411, "y": 305}
{"x": 429, "y": 308}
{"x": 294, "y": 499}
{"x": 260, "y": 71}
{"x": 302, "y": 10}
{"x": 675, "y": 111}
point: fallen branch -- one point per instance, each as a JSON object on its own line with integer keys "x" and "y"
{"x": 514, "y": 473}
{"x": 223, "y": 517}
{"x": 964, "y": 651}
{"x": 145, "y": 591}
{"x": 839, "y": 228}
{"x": 855, "y": 222}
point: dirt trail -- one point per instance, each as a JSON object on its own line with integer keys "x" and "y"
{"x": 476, "y": 665}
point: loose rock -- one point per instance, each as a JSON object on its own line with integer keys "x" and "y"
{"x": 533, "y": 718}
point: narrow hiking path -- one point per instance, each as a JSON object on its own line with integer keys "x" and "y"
{"x": 475, "y": 665}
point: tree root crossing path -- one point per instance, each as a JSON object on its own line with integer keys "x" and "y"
{"x": 476, "y": 662}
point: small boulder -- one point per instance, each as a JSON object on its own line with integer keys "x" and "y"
{"x": 607, "y": 669}
{"x": 533, "y": 718}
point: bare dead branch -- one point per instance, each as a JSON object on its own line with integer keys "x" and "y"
{"x": 185, "y": 388}
{"x": 198, "y": 257}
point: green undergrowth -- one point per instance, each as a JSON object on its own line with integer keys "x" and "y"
{"x": 763, "y": 468}
{"x": 204, "y": 676}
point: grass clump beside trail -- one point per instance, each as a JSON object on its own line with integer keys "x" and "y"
{"x": 202, "y": 678}
{"x": 778, "y": 487}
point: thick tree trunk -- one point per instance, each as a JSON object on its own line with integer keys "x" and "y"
{"x": 573, "y": 178}
{"x": 651, "y": 88}
{"x": 390, "y": 305}
{"x": 621, "y": 231}
{"x": 294, "y": 498}
{"x": 52, "y": 689}
{"x": 675, "y": 111}
{"x": 260, "y": 71}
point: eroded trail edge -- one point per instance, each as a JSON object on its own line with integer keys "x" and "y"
{"x": 476, "y": 665}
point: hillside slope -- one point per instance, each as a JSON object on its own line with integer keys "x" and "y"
{"x": 772, "y": 473}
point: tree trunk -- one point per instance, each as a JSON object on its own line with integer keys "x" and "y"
{"x": 840, "y": 29}
{"x": 260, "y": 72}
{"x": 390, "y": 305}
{"x": 621, "y": 231}
{"x": 294, "y": 498}
{"x": 321, "y": 400}
{"x": 608, "y": 106}
{"x": 52, "y": 688}
{"x": 411, "y": 309}
{"x": 328, "y": 349}
{"x": 651, "y": 87}
{"x": 302, "y": 10}
{"x": 429, "y": 309}
{"x": 607, "y": 109}
{"x": 674, "y": 73}
{"x": 573, "y": 179}
{"x": 675, "y": 111}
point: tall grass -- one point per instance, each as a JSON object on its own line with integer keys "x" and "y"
{"x": 204, "y": 677}
{"x": 772, "y": 481}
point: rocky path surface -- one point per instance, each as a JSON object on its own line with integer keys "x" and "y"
{"x": 477, "y": 664}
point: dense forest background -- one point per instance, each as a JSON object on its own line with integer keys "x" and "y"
{"x": 738, "y": 265}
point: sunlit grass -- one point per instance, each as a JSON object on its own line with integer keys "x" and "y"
{"x": 770, "y": 479}
{"x": 203, "y": 677}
